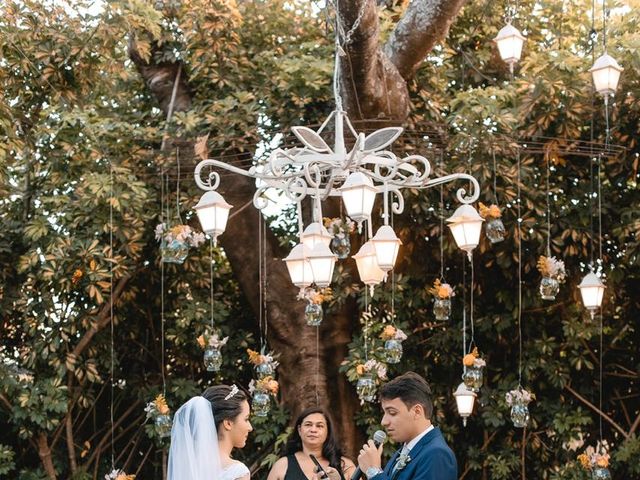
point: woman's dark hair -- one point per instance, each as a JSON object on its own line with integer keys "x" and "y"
{"x": 411, "y": 389}
{"x": 224, "y": 408}
{"x": 330, "y": 449}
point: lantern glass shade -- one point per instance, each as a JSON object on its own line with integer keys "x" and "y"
{"x": 466, "y": 225}
{"x": 606, "y": 75}
{"x": 322, "y": 261}
{"x": 213, "y": 213}
{"x": 299, "y": 266}
{"x": 386, "y": 246}
{"x": 358, "y": 195}
{"x": 465, "y": 399}
{"x": 510, "y": 42}
{"x": 315, "y": 233}
{"x": 592, "y": 291}
{"x": 367, "y": 263}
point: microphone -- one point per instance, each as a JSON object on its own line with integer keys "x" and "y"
{"x": 378, "y": 439}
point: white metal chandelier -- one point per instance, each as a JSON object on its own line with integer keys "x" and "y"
{"x": 320, "y": 171}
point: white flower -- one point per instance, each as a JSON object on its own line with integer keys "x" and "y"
{"x": 159, "y": 231}
{"x": 400, "y": 335}
{"x": 479, "y": 362}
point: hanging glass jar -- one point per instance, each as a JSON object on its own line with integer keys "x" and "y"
{"x": 495, "y": 230}
{"x": 163, "y": 425}
{"x": 212, "y": 359}
{"x": 393, "y": 351}
{"x": 313, "y": 314}
{"x": 549, "y": 288}
{"x": 601, "y": 473}
{"x": 175, "y": 251}
{"x": 366, "y": 388}
{"x": 472, "y": 378}
{"x": 264, "y": 370}
{"x": 341, "y": 245}
{"x": 520, "y": 414}
{"x": 442, "y": 308}
{"x": 261, "y": 403}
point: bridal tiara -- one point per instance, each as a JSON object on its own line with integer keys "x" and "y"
{"x": 234, "y": 390}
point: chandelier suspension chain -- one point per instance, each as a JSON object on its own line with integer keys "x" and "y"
{"x": 111, "y": 320}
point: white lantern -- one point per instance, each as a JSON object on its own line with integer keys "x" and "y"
{"x": 606, "y": 74}
{"x": 299, "y": 266}
{"x": 465, "y": 399}
{"x": 386, "y": 244}
{"x": 315, "y": 233}
{"x": 510, "y": 42}
{"x": 592, "y": 291}
{"x": 322, "y": 261}
{"x": 465, "y": 225}
{"x": 213, "y": 213}
{"x": 370, "y": 272}
{"x": 358, "y": 195}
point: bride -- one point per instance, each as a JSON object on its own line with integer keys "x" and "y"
{"x": 205, "y": 431}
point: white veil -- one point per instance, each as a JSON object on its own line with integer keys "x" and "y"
{"x": 194, "y": 452}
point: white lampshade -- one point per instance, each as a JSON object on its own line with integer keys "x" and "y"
{"x": 322, "y": 261}
{"x": 386, "y": 245}
{"x": 358, "y": 195}
{"x": 465, "y": 399}
{"x": 213, "y": 213}
{"x": 592, "y": 291}
{"x": 465, "y": 225}
{"x": 510, "y": 42}
{"x": 606, "y": 74}
{"x": 299, "y": 266}
{"x": 315, "y": 233}
{"x": 367, "y": 263}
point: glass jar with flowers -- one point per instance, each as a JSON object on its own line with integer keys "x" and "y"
{"x": 597, "y": 461}
{"x": 176, "y": 241}
{"x": 261, "y": 392}
{"x": 313, "y": 313}
{"x": 340, "y": 229}
{"x": 264, "y": 363}
{"x": 370, "y": 374}
{"x": 393, "y": 338}
{"x": 212, "y": 344}
{"x": 473, "y": 370}
{"x": 158, "y": 412}
{"x": 519, "y": 399}
{"x": 494, "y": 228}
{"x": 553, "y": 274}
{"x": 117, "y": 474}
{"x": 442, "y": 293}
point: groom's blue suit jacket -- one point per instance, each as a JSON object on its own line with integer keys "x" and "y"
{"x": 431, "y": 459}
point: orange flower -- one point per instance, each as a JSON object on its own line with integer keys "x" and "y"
{"x": 388, "y": 333}
{"x": 77, "y": 275}
{"x": 603, "y": 461}
{"x": 490, "y": 212}
{"x": 161, "y": 405}
{"x": 124, "y": 476}
{"x": 584, "y": 460}
{"x": 201, "y": 341}
{"x": 470, "y": 358}
{"x": 360, "y": 369}
{"x": 254, "y": 357}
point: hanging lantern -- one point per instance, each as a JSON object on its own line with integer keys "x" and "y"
{"x": 370, "y": 272}
{"x": 213, "y": 213}
{"x": 466, "y": 225}
{"x": 510, "y": 42}
{"x": 606, "y": 74}
{"x": 299, "y": 266}
{"x": 386, "y": 246}
{"x": 322, "y": 261}
{"x": 316, "y": 233}
{"x": 358, "y": 195}
{"x": 465, "y": 399}
{"x": 592, "y": 291}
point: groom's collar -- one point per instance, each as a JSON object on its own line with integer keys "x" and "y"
{"x": 419, "y": 437}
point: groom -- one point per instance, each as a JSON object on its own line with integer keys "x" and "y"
{"x": 407, "y": 405}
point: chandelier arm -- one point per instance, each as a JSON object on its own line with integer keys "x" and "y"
{"x": 259, "y": 201}
{"x": 397, "y": 207}
{"x": 426, "y": 164}
{"x": 392, "y": 169}
{"x": 353, "y": 154}
{"x": 460, "y": 194}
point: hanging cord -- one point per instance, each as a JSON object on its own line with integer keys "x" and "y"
{"x": 599, "y": 212}
{"x": 317, "y": 364}
{"x": 162, "y": 199}
{"x": 519, "y": 231}
{"x": 178, "y": 185}
{"x": 441, "y": 221}
{"x": 113, "y": 462}
{"x": 264, "y": 276}
{"x": 604, "y": 24}
{"x": 548, "y": 211}
{"x": 260, "y": 282}
{"x": 472, "y": 341}
{"x": 464, "y": 307}
{"x": 393, "y": 285}
{"x": 211, "y": 260}
{"x": 495, "y": 176}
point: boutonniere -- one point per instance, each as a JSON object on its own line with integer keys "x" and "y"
{"x": 403, "y": 459}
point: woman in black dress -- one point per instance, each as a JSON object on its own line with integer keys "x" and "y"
{"x": 313, "y": 434}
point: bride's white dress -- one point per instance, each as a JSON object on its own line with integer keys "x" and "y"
{"x": 234, "y": 471}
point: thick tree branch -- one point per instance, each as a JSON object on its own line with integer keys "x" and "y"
{"x": 423, "y": 25}
{"x": 598, "y": 411}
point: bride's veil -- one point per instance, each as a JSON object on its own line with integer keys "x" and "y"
{"x": 194, "y": 452}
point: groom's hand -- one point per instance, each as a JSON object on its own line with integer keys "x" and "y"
{"x": 370, "y": 456}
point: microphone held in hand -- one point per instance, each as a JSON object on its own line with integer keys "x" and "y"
{"x": 378, "y": 439}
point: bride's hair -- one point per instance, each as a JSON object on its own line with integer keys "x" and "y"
{"x": 226, "y": 402}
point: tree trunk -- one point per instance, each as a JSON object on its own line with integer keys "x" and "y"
{"x": 45, "y": 456}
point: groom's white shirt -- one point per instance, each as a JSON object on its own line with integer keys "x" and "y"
{"x": 408, "y": 446}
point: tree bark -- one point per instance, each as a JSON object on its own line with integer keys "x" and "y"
{"x": 45, "y": 456}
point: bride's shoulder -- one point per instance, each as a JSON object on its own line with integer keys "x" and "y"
{"x": 235, "y": 470}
